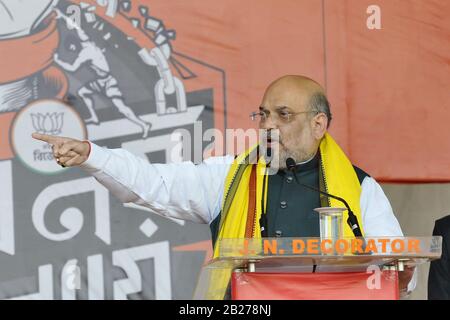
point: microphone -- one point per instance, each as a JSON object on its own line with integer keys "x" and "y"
{"x": 352, "y": 220}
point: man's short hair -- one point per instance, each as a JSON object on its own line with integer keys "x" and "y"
{"x": 319, "y": 103}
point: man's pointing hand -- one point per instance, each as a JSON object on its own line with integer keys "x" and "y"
{"x": 67, "y": 152}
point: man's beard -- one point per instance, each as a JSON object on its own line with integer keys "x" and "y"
{"x": 276, "y": 154}
{"x": 276, "y": 157}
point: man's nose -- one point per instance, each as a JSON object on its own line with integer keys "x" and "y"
{"x": 268, "y": 124}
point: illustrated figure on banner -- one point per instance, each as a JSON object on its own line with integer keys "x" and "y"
{"x": 105, "y": 84}
{"x": 36, "y": 92}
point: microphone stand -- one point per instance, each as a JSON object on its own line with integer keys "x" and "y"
{"x": 352, "y": 220}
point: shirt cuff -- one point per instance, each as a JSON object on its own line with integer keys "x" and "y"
{"x": 97, "y": 158}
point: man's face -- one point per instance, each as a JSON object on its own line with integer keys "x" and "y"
{"x": 288, "y": 114}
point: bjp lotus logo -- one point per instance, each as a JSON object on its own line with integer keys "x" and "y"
{"x": 46, "y": 116}
{"x": 48, "y": 123}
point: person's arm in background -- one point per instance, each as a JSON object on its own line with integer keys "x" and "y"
{"x": 379, "y": 221}
{"x": 182, "y": 191}
{"x": 439, "y": 275}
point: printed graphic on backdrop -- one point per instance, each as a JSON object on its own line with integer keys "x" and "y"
{"x": 50, "y": 117}
{"x": 107, "y": 71}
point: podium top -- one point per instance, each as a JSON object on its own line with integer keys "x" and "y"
{"x": 312, "y": 255}
{"x": 318, "y": 251}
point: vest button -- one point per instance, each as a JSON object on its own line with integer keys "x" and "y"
{"x": 278, "y": 233}
{"x": 289, "y": 179}
{"x": 283, "y": 204}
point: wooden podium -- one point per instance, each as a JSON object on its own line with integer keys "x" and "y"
{"x": 312, "y": 268}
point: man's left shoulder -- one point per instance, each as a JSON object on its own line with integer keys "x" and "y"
{"x": 361, "y": 174}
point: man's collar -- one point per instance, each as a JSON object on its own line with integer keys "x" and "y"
{"x": 312, "y": 163}
{"x": 306, "y": 161}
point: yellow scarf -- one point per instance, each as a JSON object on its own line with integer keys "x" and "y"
{"x": 340, "y": 179}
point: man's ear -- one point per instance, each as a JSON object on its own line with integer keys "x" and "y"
{"x": 319, "y": 125}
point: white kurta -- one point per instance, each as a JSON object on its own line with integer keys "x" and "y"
{"x": 194, "y": 192}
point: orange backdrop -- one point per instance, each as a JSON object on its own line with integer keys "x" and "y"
{"x": 389, "y": 88}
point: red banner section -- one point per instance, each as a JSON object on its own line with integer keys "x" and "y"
{"x": 315, "y": 286}
{"x": 393, "y": 84}
{"x": 388, "y": 84}
{"x": 388, "y": 87}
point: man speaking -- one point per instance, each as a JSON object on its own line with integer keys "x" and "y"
{"x": 297, "y": 110}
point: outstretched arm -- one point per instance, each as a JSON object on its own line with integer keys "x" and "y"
{"x": 182, "y": 191}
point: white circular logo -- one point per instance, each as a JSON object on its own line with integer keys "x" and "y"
{"x": 50, "y": 117}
